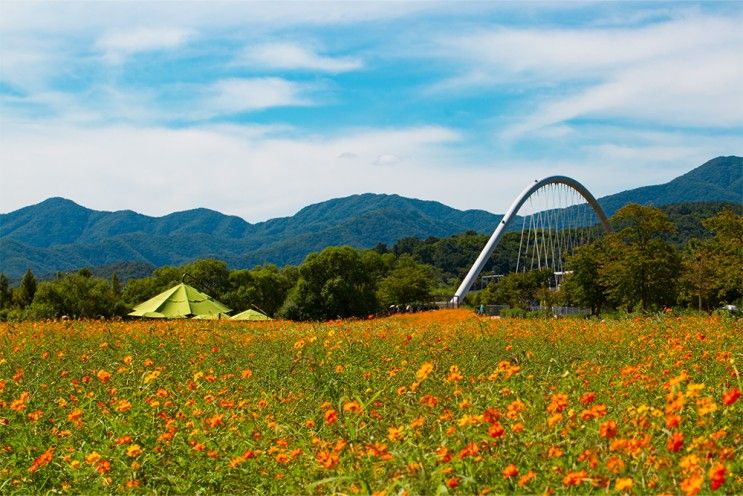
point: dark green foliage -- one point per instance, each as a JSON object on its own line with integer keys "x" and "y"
{"x": 633, "y": 268}
{"x": 264, "y": 288}
{"x": 519, "y": 289}
{"x": 713, "y": 273}
{"x": 407, "y": 282}
{"x": 24, "y": 294}
{"x": 585, "y": 287}
{"x": 720, "y": 179}
{"x": 6, "y": 296}
{"x": 77, "y": 295}
{"x": 334, "y": 283}
{"x": 641, "y": 269}
{"x": 689, "y": 219}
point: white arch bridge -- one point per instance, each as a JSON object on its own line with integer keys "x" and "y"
{"x": 561, "y": 208}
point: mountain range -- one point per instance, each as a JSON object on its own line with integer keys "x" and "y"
{"x": 60, "y": 235}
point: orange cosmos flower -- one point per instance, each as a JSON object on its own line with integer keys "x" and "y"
{"x": 731, "y": 396}
{"x": 103, "y": 467}
{"x": 331, "y": 416}
{"x": 588, "y": 398}
{"x": 510, "y": 471}
{"x": 123, "y": 440}
{"x": 496, "y": 430}
{"x": 554, "y": 452}
{"x": 675, "y": 442}
{"x": 526, "y": 478}
{"x": 716, "y": 475}
{"x": 327, "y": 459}
{"x": 395, "y": 433}
{"x": 623, "y": 484}
{"x": 42, "y": 460}
{"x": 352, "y": 406}
{"x": 35, "y": 415}
{"x": 20, "y": 404}
{"x": 574, "y": 478}
{"x": 123, "y": 406}
{"x": 692, "y": 485}
{"x": 245, "y": 374}
{"x": 75, "y": 415}
{"x": 608, "y": 429}
{"x": 424, "y": 371}
{"x": 103, "y": 375}
{"x": 558, "y": 403}
{"x": 454, "y": 374}
{"x": 452, "y": 482}
{"x": 443, "y": 454}
{"x": 672, "y": 421}
{"x": 133, "y": 451}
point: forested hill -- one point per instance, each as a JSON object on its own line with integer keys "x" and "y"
{"x": 60, "y": 235}
{"x": 720, "y": 179}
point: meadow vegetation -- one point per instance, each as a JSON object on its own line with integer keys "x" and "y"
{"x": 443, "y": 402}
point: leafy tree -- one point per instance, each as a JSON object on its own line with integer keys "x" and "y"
{"x": 408, "y": 282}
{"x": 115, "y": 284}
{"x": 518, "y": 289}
{"x": 334, "y": 283}
{"x": 642, "y": 268}
{"x": 712, "y": 267}
{"x": 6, "y": 296}
{"x": 78, "y": 295}
{"x": 208, "y": 275}
{"x": 24, "y": 294}
{"x": 264, "y": 287}
{"x": 584, "y": 286}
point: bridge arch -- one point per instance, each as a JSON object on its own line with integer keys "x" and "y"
{"x": 487, "y": 251}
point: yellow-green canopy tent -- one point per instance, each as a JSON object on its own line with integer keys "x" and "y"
{"x": 180, "y": 301}
{"x": 250, "y": 315}
{"x": 212, "y": 316}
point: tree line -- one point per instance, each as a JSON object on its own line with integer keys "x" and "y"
{"x": 639, "y": 266}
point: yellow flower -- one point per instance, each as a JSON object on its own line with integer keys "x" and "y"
{"x": 133, "y": 451}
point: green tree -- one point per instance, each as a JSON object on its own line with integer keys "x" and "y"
{"x": 6, "y": 296}
{"x": 77, "y": 295}
{"x": 712, "y": 267}
{"x": 115, "y": 284}
{"x": 24, "y": 293}
{"x": 584, "y": 286}
{"x": 334, "y": 283}
{"x": 265, "y": 287}
{"x": 518, "y": 289}
{"x": 408, "y": 282}
{"x": 642, "y": 268}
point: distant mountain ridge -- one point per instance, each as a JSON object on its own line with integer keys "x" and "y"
{"x": 60, "y": 235}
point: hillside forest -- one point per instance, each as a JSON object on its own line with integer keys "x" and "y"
{"x": 686, "y": 255}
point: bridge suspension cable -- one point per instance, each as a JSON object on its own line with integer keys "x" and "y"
{"x": 554, "y": 222}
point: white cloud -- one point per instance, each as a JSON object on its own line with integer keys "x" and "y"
{"x": 684, "y": 72}
{"x": 117, "y": 45}
{"x": 261, "y": 172}
{"x": 233, "y": 96}
{"x": 256, "y": 174}
{"x": 292, "y": 56}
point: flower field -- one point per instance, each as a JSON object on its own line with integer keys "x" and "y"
{"x": 434, "y": 402}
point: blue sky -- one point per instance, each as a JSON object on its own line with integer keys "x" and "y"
{"x": 259, "y": 109}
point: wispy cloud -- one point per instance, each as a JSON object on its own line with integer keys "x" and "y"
{"x": 684, "y": 72}
{"x": 233, "y": 96}
{"x": 117, "y": 45}
{"x": 292, "y": 56}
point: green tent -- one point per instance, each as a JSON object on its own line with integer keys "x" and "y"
{"x": 212, "y": 316}
{"x": 250, "y": 315}
{"x": 178, "y": 302}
